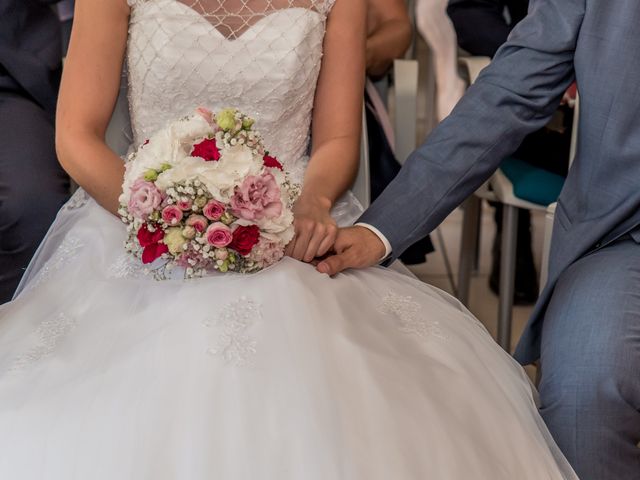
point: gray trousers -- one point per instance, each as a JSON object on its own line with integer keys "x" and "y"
{"x": 33, "y": 186}
{"x": 590, "y": 386}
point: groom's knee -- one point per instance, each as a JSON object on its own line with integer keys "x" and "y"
{"x": 591, "y": 331}
{"x": 590, "y": 391}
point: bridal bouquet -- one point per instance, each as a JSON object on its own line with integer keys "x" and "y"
{"x": 204, "y": 194}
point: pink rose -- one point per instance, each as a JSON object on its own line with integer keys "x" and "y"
{"x": 198, "y": 222}
{"x": 213, "y": 210}
{"x": 219, "y": 235}
{"x": 184, "y": 204}
{"x": 258, "y": 197}
{"x": 144, "y": 198}
{"x": 171, "y": 214}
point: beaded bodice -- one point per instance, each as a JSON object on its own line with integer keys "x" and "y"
{"x": 261, "y": 56}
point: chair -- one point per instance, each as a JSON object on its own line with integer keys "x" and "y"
{"x": 119, "y": 135}
{"x": 551, "y": 210}
{"x": 503, "y": 186}
{"x": 362, "y": 185}
{"x": 405, "y": 91}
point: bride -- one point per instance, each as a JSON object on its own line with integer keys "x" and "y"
{"x": 106, "y": 373}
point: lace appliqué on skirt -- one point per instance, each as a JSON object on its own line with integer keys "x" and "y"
{"x": 48, "y": 335}
{"x": 411, "y": 320}
{"x": 78, "y": 200}
{"x": 67, "y": 250}
{"x": 125, "y": 266}
{"x": 234, "y": 343}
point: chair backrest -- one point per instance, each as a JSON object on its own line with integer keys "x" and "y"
{"x": 574, "y": 130}
{"x": 362, "y": 184}
{"x": 405, "y": 75}
{"x": 551, "y": 210}
{"x": 411, "y": 8}
{"x": 119, "y": 135}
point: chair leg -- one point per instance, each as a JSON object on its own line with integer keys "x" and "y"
{"x": 476, "y": 258}
{"x": 507, "y": 274}
{"x": 471, "y": 209}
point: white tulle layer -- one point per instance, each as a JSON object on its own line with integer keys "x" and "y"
{"x": 286, "y": 374}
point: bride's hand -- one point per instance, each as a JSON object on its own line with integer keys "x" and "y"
{"x": 315, "y": 230}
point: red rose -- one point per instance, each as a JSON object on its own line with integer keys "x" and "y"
{"x": 206, "y": 149}
{"x": 244, "y": 239}
{"x": 271, "y": 162}
{"x": 153, "y": 251}
{"x": 146, "y": 238}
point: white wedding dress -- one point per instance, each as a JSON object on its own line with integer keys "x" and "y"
{"x": 108, "y": 374}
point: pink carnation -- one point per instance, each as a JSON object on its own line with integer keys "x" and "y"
{"x": 267, "y": 253}
{"x": 219, "y": 235}
{"x": 258, "y": 197}
{"x": 198, "y": 222}
{"x": 144, "y": 198}
{"x": 171, "y": 215}
{"x": 213, "y": 210}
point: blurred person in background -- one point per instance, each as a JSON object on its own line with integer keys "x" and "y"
{"x": 389, "y": 37}
{"x": 482, "y": 26}
{"x": 65, "y": 12}
{"x": 32, "y": 184}
{"x": 435, "y": 27}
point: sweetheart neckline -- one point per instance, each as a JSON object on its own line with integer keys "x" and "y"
{"x": 249, "y": 28}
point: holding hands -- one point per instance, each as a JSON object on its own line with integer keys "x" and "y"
{"x": 315, "y": 230}
{"x": 355, "y": 247}
{"x": 317, "y": 235}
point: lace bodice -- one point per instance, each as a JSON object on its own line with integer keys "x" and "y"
{"x": 261, "y": 56}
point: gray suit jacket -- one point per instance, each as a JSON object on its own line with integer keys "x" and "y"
{"x": 593, "y": 41}
{"x": 31, "y": 49}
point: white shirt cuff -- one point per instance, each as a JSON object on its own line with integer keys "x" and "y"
{"x": 383, "y": 239}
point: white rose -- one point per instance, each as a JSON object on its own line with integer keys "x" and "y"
{"x": 190, "y": 129}
{"x": 186, "y": 168}
{"x": 239, "y": 161}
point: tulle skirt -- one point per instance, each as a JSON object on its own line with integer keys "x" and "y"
{"x": 106, "y": 373}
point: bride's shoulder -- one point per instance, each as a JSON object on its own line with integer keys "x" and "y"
{"x": 325, "y": 5}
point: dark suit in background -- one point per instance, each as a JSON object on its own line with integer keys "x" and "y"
{"x": 482, "y": 26}
{"x": 32, "y": 184}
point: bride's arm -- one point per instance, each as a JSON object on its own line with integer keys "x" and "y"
{"x": 336, "y": 126}
{"x": 88, "y": 93}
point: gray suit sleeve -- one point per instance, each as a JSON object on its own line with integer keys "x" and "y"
{"x": 517, "y": 94}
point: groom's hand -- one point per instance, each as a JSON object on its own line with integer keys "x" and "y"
{"x": 355, "y": 247}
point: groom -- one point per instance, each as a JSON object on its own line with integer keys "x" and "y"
{"x": 586, "y": 326}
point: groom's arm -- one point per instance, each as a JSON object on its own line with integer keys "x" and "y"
{"x": 517, "y": 94}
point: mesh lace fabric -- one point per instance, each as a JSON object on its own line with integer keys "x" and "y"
{"x": 261, "y": 56}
